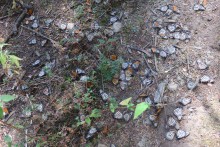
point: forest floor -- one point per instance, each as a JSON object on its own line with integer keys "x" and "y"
{"x": 44, "y": 107}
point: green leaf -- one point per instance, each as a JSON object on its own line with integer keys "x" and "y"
{"x": 95, "y": 113}
{"x": 7, "y": 98}
{"x": 130, "y": 106}
{"x": 101, "y": 41}
{"x": 15, "y": 60}
{"x": 3, "y": 59}
{"x": 3, "y": 44}
{"x": 125, "y": 102}
{"x": 140, "y": 108}
{"x": 88, "y": 121}
{"x": 7, "y": 139}
{"x": 1, "y": 113}
{"x": 37, "y": 145}
{"x": 113, "y": 105}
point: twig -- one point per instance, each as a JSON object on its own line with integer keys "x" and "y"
{"x": 140, "y": 50}
{"x": 55, "y": 43}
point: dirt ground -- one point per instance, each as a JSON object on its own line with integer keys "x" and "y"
{"x": 201, "y": 117}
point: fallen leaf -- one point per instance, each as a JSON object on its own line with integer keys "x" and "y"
{"x": 113, "y": 57}
{"x": 105, "y": 130}
{"x": 175, "y": 8}
{"x": 125, "y": 102}
{"x": 115, "y": 81}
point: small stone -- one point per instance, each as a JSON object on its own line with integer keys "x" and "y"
{"x": 148, "y": 100}
{"x": 108, "y": 32}
{"x": 33, "y": 41}
{"x": 24, "y": 87}
{"x": 112, "y": 145}
{"x": 178, "y": 112}
{"x": 181, "y": 134}
{"x": 43, "y": 42}
{"x": 136, "y": 65}
{"x": 163, "y": 54}
{"x": 159, "y": 92}
{"x": 172, "y": 86}
{"x": 35, "y": 25}
{"x": 182, "y": 36}
{"x": 152, "y": 118}
{"x": 205, "y": 79}
{"x": 118, "y": 115}
{"x": 123, "y": 85}
{"x": 127, "y": 116}
{"x": 201, "y": 64}
{"x": 169, "y": 12}
{"x": 113, "y": 19}
{"x": 185, "y": 101}
{"x": 62, "y": 26}
{"x": 122, "y": 76}
{"x": 32, "y": 17}
{"x": 171, "y": 27}
{"x": 91, "y": 133}
{"x": 28, "y": 113}
{"x": 84, "y": 78}
{"x": 36, "y": 63}
{"x": 80, "y": 71}
{"x": 124, "y": 65}
{"x": 98, "y": 1}
{"x": 176, "y": 35}
{"x": 147, "y": 82}
{"x": 198, "y": 7}
{"x": 170, "y": 135}
{"x": 46, "y": 91}
{"x": 191, "y": 85}
{"x": 117, "y": 26}
{"x": 104, "y": 95}
{"x": 163, "y": 8}
{"x": 48, "y": 22}
{"x": 171, "y": 49}
{"x": 90, "y": 36}
{"x": 102, "y": 145}
{"x": 70, "y": 26}
{"x": 40, "y": 107}
{"x": 162, "y": 33}
{"x": 44, "y": 117}
{"x": 42, "y": 73}
{"x": 171, "y": 122}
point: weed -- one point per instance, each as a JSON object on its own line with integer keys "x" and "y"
{"x": 105, "y": 45}
{"x": 108, "y": 68}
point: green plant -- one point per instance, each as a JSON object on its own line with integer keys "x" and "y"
{"x": 8, "y": 140}
{"x": 8, "y": 61}
{"x": 113, "y": 105}
{"x": 139, "y": 108}
{"x": 108, "y": 68}
{"x": 4, "y": 99}
{"x": 106, "y": 45}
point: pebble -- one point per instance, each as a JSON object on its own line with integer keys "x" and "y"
{"x": 84, "y": 78}
{"x": 182, "y": 36}
{"x": 170, "y": 135}
{"x": 80, "y": 71}
{"x": 112, "y": 145}
{"x": 147, "y": 82}
{"x": 108, "y": 32}
{"x": 42, "y": 73}
{"x": 117, "y": 26}
{"x": 181, "y": 134}
{"x": 176, "y": 35}
{"x": 171, "y": 122}
{"x": 35, "y": 25}
{"x": 118, "y": 115}
{"x": 33, "y": 41}
{"x": 136, "y": 65}
{"x": 40, "y": 107}
{"x": 90, "y": 36}
{"x": 104, "y": 95}
{"x": 28, "y": 113}
{"x": 24, "y": 87}
{"x": 198, "y": 7}
{"x": 178, "y": 112}
{"x": 127, "y": 116}
{"x": 191, "y": 85}
{"x": 201, "y": 64}
{"x": 98, "y": 1}
{"x": 43, "y": 42}
{"x": 36, "y": 63}
{"x": 48, "y": 22}
{"x": 44, "y": 117}
{"x": 91, "y": 133}
{"x": 148, "y": 100}
{"x": 122, "y": 75}
{"x": 169, "y": 12}
{"x": 172, "y": 86}
{"x": 171, "y": 27}
{"x": 171, "y": 49}
{"x": 162, "y": 32}
{"x": 32, "y": 17}
{"x": 113, "y": 19}
{"x": 125, "y": 65}
{"x": 163, "y": 54}
{"x": 62, "y": 26}
{"x": 101, "y": 145}
{"x": 152, "y": 118}
{"x": 205, "y": 79}
{"x": 159, "y": 92}
{"x": 46, "y": 91}
{"x": 70, "y": 26}
{"x": 163, "y": 8}
{"x": 185, "y": 101}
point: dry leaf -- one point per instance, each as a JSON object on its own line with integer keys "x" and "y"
{"x": 115, "y": 81}
{"x": 105, "y": 130}
{"x": 113, "y": 57}
{"x": 175, "y": 8}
